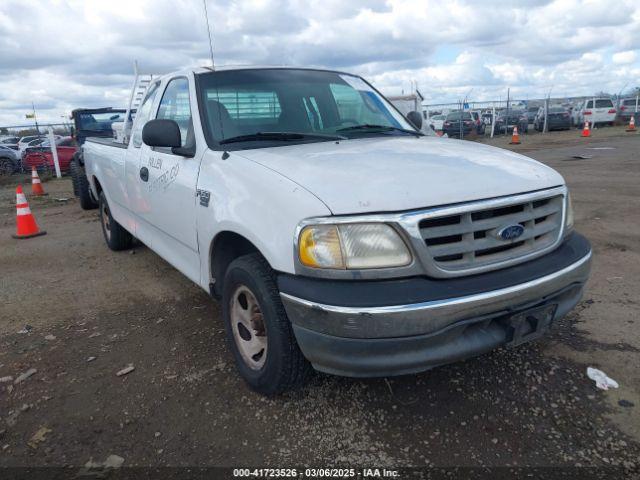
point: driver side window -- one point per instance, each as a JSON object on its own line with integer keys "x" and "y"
{"x": 175, "y": 106}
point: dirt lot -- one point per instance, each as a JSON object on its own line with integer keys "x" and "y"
{"x": 89, "y": 312}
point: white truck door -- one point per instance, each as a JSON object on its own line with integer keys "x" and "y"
{"x": 168, "y": 187}
{"x": 136, "y": 200}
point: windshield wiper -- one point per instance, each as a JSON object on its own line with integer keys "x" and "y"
{"x": 283, "y": 136}
{"x": 381, "y": 128}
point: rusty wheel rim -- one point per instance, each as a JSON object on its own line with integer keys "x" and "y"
{"x": 247, "y": 325}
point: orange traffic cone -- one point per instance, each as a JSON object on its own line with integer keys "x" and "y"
{"x": 36, "y": 185}
{"x": 585, "y": 131}
{"x": 515, "y": 138}
{"x": 632, "y": 124}
{"x": 26, "y": 226}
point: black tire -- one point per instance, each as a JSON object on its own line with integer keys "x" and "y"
{"x": 115, "y": 236}
{"x": 73, "y": 174}
{"x": 81, "y": 186}
{"x": 7, "y": 167}
{"x": 285, "y": 367}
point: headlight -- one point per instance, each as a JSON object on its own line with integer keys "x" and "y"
{"x": 568, "y": 223}
{"x": 352, "y": 246}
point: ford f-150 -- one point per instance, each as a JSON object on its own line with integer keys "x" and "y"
{"x": 334, "y": 233}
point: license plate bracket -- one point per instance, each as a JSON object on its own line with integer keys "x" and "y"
{"x": 530, "y": 324}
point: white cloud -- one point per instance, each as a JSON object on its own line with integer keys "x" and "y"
{"x": 623, "y": 58}
{"x": 63, "y": 54}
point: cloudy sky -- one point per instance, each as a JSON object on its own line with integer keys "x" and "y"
{"x": 62, "y": 54}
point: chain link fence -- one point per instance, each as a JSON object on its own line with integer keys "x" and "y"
{"x": 499, "y": 117}
{"x": 25, "y": 146}
{"x": 20, "y": 131}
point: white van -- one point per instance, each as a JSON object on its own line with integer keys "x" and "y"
{"x": 595, "y": 111}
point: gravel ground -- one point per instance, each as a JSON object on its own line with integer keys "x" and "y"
{"x": 89, "y": 313}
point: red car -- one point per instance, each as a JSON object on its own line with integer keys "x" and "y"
{"x": 42, "y": 158}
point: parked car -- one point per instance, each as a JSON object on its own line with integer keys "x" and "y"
{"x": 596, "y": 111}
{"x": 480, "y": 126}
{"x": 9, "y": 160}
{"x": 25, "y": 141}
{"x": 627, "y": 107}
{"x": 334, "y": 233}
{"x": 10, "y": 150}
{"x": 43, "y": 142}
{"x": 436, "y": 122}
{"x": 558, "y": 119}
{"x": 531, "y": 113}
{"x": 507, "y": 119}
{"x": 487, "y": 117}
{"x": 451, "y": 125}
{"x": 41, "y": 157}
{"x": 9, "y": 140}
{"x": 31, "y": 145}
{"x": 30, "y": 141}
{"x": 96, "y": 122}
{"x": 13, "y": 147}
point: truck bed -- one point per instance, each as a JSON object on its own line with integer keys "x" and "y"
{"x": 109, "y": 142}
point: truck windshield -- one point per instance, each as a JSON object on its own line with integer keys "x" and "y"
{"x": 251, "y": 108}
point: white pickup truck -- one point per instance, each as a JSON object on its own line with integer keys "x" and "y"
{"x": 336, "y": 235}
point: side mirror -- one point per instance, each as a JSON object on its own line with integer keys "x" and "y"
{"x": 161, "y": 133}
{"x": 416, "y": 119}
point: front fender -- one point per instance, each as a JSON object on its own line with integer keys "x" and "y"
{"x": 252, "y": 201}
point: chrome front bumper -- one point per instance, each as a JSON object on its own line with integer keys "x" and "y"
{"x": 428, "y": 317}
{"x": 398, "y": 339}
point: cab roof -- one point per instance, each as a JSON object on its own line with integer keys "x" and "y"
{"x": 226, "y": 68}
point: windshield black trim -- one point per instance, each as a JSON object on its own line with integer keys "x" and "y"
{"x": 280, "y": 136}
{"x": 375, "y": 129}
{"x": 213, "y": 144}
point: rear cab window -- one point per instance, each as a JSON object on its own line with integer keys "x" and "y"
{"x": 237, "y": 110}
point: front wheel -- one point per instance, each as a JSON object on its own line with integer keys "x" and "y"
{"x": 258, "y": 330}
{"x": 115, "y": 236}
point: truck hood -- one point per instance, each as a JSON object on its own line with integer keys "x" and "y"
{"x": 391, "y": 174}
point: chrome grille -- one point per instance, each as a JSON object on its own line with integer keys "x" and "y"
{"x": 470, "y": 239}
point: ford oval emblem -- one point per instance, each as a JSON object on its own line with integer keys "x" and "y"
{"x": 510, "y": 232}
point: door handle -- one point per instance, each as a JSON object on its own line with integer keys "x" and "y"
{"x": 144, "y": 174}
